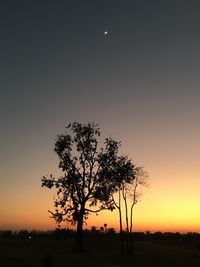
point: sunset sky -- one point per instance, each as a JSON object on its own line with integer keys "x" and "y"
{"x": 140, "y": 82}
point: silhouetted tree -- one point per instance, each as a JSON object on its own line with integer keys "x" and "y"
{"x": 101, "y": 230}
{"x": 132, "y": 193}
{"x": 125, "y": 173}
{"x": 129, "y": 179}
{"x": 111, "y": 231}
{"x": 105, "y": 227}
{"x": 89, "y": 175}
{"x": 134, "y": 190}
{"x": 94, "y": 230}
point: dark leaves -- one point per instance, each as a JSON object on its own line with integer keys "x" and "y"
{"x": 91, "y": 175}
{"x": 48, "y": 182}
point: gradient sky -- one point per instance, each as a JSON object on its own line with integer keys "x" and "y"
{"x": 141, "y": 83}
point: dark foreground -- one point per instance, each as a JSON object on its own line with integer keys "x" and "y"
{"x": 101, "y": 251}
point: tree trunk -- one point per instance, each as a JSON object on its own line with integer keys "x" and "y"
{"x": 79, "y": 242}
{"x": 121, "y": 232}
{"x": 131, "y": 230}
{"x": 127, "y": 225}
{"x": 120, "y": 224}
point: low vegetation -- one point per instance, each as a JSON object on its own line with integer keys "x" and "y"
{"x": 54, "y": 248}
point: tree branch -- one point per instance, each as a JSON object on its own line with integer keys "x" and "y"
{"x": 95, "y": 211}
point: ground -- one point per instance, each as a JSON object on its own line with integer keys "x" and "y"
{"x": 101, "y": 251}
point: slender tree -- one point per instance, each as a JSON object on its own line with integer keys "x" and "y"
{"x": 117, "y": 205}
{"x": 135, "y": 191}
{"x": 132, "y": 192}
{"x": 124, "y": 174}
{"x": 89, "y": 176}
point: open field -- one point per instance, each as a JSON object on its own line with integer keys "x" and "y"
{"x": 101, "y": 251}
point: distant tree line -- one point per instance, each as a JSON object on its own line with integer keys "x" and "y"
{"x": 168, "y": 237}
{"x": 25, "y": 234}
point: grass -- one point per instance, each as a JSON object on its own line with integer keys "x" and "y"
{"x": 101, "y": 251}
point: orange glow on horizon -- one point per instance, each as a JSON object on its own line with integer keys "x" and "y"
{"x": 170, "y": 204}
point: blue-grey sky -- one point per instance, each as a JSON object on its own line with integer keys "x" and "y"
{"x": 140, "y": 82}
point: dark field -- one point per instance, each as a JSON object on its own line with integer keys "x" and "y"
{"x": 102, "y": 250}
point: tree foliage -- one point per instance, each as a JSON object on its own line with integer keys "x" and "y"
{"x": 90, "y": 174}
